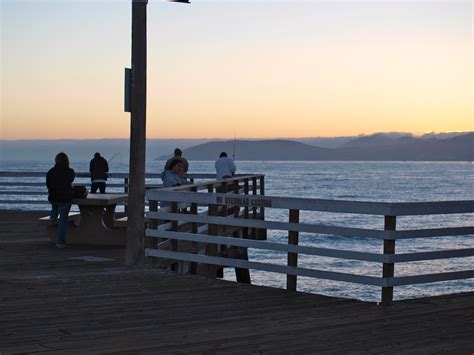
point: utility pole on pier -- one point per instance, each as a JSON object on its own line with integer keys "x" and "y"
{"x": 136, "y": 191}
{"x": 136, "y": 194}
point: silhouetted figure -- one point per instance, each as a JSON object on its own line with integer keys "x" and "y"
{"x": 59, "y": 183}
{"x": 178, "y": 154}
{"x": 225, "y": 167}
{"x": 99, "y": 169}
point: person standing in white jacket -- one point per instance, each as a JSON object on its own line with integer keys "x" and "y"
{"x": 225, "y": 167}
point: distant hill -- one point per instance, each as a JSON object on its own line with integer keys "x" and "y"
{"x": 380, "y": 147}
{"x": 379, "y": 138}
{"x": 442, "y": 135}
{"x": 325, "y": 142}
{"x": 377, "y": 147}
{"x": 338, "y": 142}
{"x": 256, "y": 150}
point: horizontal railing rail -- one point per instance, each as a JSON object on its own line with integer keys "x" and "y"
{"x": 217, "y": 237}
{"x": 29, "y": 188}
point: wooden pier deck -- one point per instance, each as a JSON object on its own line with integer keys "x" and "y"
{"x": 84, "y": 300}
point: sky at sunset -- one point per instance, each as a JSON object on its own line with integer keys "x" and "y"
{"x": 251, "y": 69}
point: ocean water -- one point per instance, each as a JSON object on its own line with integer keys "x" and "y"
{"x": 358, "y": 181}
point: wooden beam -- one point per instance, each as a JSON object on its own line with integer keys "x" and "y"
{"x": 283, "y": 269}
{"x": 136, "y": 202}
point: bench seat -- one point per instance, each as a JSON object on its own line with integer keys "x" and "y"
{"x": 123, "y": 222}
{"x": 72, "y": 217}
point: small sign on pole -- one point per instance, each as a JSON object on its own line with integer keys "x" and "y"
{"x": 128, "y": 90}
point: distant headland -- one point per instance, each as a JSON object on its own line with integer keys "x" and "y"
{"x": 380, "y": 146}
{"x": 377, "y": 147}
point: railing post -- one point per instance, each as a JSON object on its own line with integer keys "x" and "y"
{"x": 242, "y": 275}
{"x": 194, "y": 229}
{"x": 388, "y": 269}
{"x": 152, "y": 224}
{"x": 245, "y": 231}
{"x": 125, "y": 190}
{"x": 194, "y": 211}
{"x": 292, "y": 257}
{"x": 211, "y": 249}
{"x": 254, "y": 209}
{"x": 225, "y": 210}
{"x": 174, "y": 228}
{"x": 236, "y": 209}
{"x": 153, "y": 207}
{"x": 262, "y": 233}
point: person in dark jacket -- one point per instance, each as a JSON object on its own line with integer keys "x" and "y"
{"x": 99, "y": 169}
{"x": 59, "y": 183}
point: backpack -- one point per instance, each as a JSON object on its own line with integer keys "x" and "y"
{"x": 79, "y": 191}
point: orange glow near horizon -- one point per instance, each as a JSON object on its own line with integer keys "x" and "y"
{"x": 251, "y": 87}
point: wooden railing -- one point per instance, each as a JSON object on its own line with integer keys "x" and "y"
{"x": 210, "y": 224}
{"x": 29, "y": 188}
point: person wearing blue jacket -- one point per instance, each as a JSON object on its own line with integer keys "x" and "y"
{"x": 59, "y": 183}
{"x": 172, "y": 176}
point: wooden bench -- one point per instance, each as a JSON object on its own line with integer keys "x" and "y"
{"x": 72, "y": 217}
{"x": 123, "y": 222}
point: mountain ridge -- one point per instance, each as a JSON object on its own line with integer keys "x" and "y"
{"x": 371, "y": 148}
{"x": 117, "y": 149}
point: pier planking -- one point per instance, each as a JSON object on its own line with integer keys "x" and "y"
{"x": 54, "y": 301}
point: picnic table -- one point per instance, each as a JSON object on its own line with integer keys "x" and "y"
{"x": 95, "y": 224}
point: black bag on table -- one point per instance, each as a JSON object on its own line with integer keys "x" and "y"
{"x": 79, "y": 191}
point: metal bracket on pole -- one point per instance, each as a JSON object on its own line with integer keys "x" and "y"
{"x": 127, "y": 102}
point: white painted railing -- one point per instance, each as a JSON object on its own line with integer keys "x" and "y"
{"x": 29, "y": 188}
{"x": 215, "y": 225}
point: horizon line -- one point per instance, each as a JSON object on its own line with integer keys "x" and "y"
{"x": 234, "y": 138}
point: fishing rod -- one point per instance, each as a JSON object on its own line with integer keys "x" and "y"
{"x": 235, "y": 142}
{"x": 114, "y": 156}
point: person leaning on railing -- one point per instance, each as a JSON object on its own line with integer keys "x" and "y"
{"x": 99, "y": 169}
{"x": 173, "y": 177}
{"x": 59, "y": 183}
{"x": 225, "y": 167}
{"x": 178, "y": 154}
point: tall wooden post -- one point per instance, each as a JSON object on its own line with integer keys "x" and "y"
{"x": 136, "y": 196}
{"x": 211, "y": 249}
{"x": 242, "y": 275}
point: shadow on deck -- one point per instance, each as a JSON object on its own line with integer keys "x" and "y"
{"x": 85, "y": 300}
